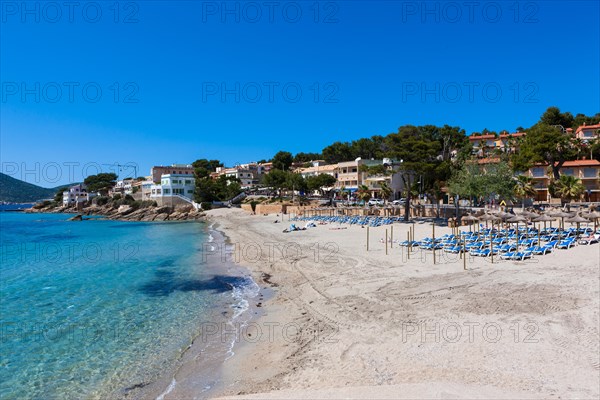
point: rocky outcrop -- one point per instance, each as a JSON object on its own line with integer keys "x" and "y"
{"x": 129, "y": 213}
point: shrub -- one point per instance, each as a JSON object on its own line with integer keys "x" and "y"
{"x": 206, "y": 205}
{"x": 117, "y": 197}
{"x": 102, "y": 200}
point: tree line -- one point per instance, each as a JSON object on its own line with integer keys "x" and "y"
{"x": 431, "y": 158}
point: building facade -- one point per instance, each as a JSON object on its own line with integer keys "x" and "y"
{"x": 76, "y": 194}
{"x": 174, "y": 185}
{"x": 588, "y": 171}
{"x": 175, "y": 169}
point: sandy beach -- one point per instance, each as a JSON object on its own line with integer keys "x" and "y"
{"x": 347, "y": 323}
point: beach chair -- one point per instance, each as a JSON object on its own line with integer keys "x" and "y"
{"x": 540, "y": 250}
{"x": 586, "y": 241}
{"x": 566, "y": 244}
{"x": 508, "y": 255}
{"x": 506, "y": 248}
{"x": 481, "y": 252}
{"x": 523, "y": 255}
{"x": 454, "y": 249}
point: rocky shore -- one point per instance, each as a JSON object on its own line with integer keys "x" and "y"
{"x": 128, "y": 213}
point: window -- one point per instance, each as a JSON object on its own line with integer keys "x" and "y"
{"x": 188, "y": 182}
{"x": 568, "y": 171}
{"x": 538, "y": 172}
{"x": 190, "y": 191}
{"x": 167, "y": 191}
{"x": 590, "y": 172}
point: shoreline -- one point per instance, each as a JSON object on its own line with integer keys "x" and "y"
{"x": 198, "y": 370}
{"x": 354, "y": 317}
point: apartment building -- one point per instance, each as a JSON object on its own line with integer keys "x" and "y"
{"x": 586, "y": 170}
{"x": 174, "y": 169}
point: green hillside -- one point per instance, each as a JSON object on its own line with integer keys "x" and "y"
{"x": 16, "y": 191}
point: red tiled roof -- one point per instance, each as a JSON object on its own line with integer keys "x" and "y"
{"x": 502, "y": 136}
{"x": 586, "y": 127}
{"x": 582, "y": 163}
{"x": 516, "y": 134}
{"x": 577, "y": 163}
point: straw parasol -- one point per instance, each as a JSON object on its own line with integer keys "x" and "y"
{"x": 544, "y": 218}
{"x": 562, "y": 215}
{"x": 489, "y": 217}
{"x": 592, "y": 215}
{"x": 516, "y": 219}
{"x": 471, "y": 218}
{"x": 578, "y": 219}
{"x": 492, "y": 218}
{"x": 529, "y": 214}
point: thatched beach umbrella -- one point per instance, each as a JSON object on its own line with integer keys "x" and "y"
{"x": 562, "y": 215}
{"x": 529, "y": 214}
{"x": 578, "y": 219}
{"x": 543, "y": 218}
{"x": 471, "y": 218}
{"x": 516, "y": 219}
{"x": 592, "y": 215}
{"x": 491, "y": 218}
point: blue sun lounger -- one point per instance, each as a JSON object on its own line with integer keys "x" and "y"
{"x": 566, "y": 244}
{"x": 539, "y": 250}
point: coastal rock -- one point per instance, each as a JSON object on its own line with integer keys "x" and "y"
{"x": 136, "y": 215}
{"x": 78, "y": 217}
{"x": 161, "y": 217}
{"x": 184, "y": 208}
{"x": 163, "y": 210}
{"x": 124, "y": 209}
{"x": 148, "y": 217}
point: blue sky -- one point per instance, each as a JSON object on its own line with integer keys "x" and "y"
{"x": 157, "y": 82}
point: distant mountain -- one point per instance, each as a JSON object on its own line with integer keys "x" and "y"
{"x": 15, "y": 191}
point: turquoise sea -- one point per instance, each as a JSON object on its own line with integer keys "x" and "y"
{"x": 98, "y": 308}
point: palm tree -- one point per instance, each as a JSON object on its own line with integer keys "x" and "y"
{"x": 386, "y": 191}
{"x": 524, "y": 188}
{"x": 568, "y": 188}
{"x": 363, "y": 193}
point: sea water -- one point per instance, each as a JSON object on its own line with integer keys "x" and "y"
{"x": 99, "y": 308}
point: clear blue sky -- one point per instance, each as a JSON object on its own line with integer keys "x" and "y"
{"x": 374, "y": 65}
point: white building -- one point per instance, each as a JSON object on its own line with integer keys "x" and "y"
{"x": 248, "y": 174}
{"x": 124, "y": 187}
{"x": 76, "y": 194}
{"x": 173, "y": 185}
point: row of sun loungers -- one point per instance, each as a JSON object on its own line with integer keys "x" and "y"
{"x": 352, "y": 220}
{"x": 504, "y": 244}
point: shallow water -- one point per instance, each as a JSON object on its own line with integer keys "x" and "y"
{"x": 96, "y": 309}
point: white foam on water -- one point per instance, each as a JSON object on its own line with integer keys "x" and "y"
{"x": 248, "y": 290}
{"x": 169, "y": 390}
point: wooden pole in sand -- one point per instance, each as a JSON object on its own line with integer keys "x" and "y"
{"x": 386, "y": 242}
{"x": 408, "y": 246}
{"x": 464, "y": 254}
{"x": 367, "y": 238}
{"x": 491, "y": 242}
{"x": 538, "y": 231}
{"x": 391, "y": 236}
{"x": 433, "y": 234}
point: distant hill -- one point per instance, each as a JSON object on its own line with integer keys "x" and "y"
{"x": 15, "y": 191}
